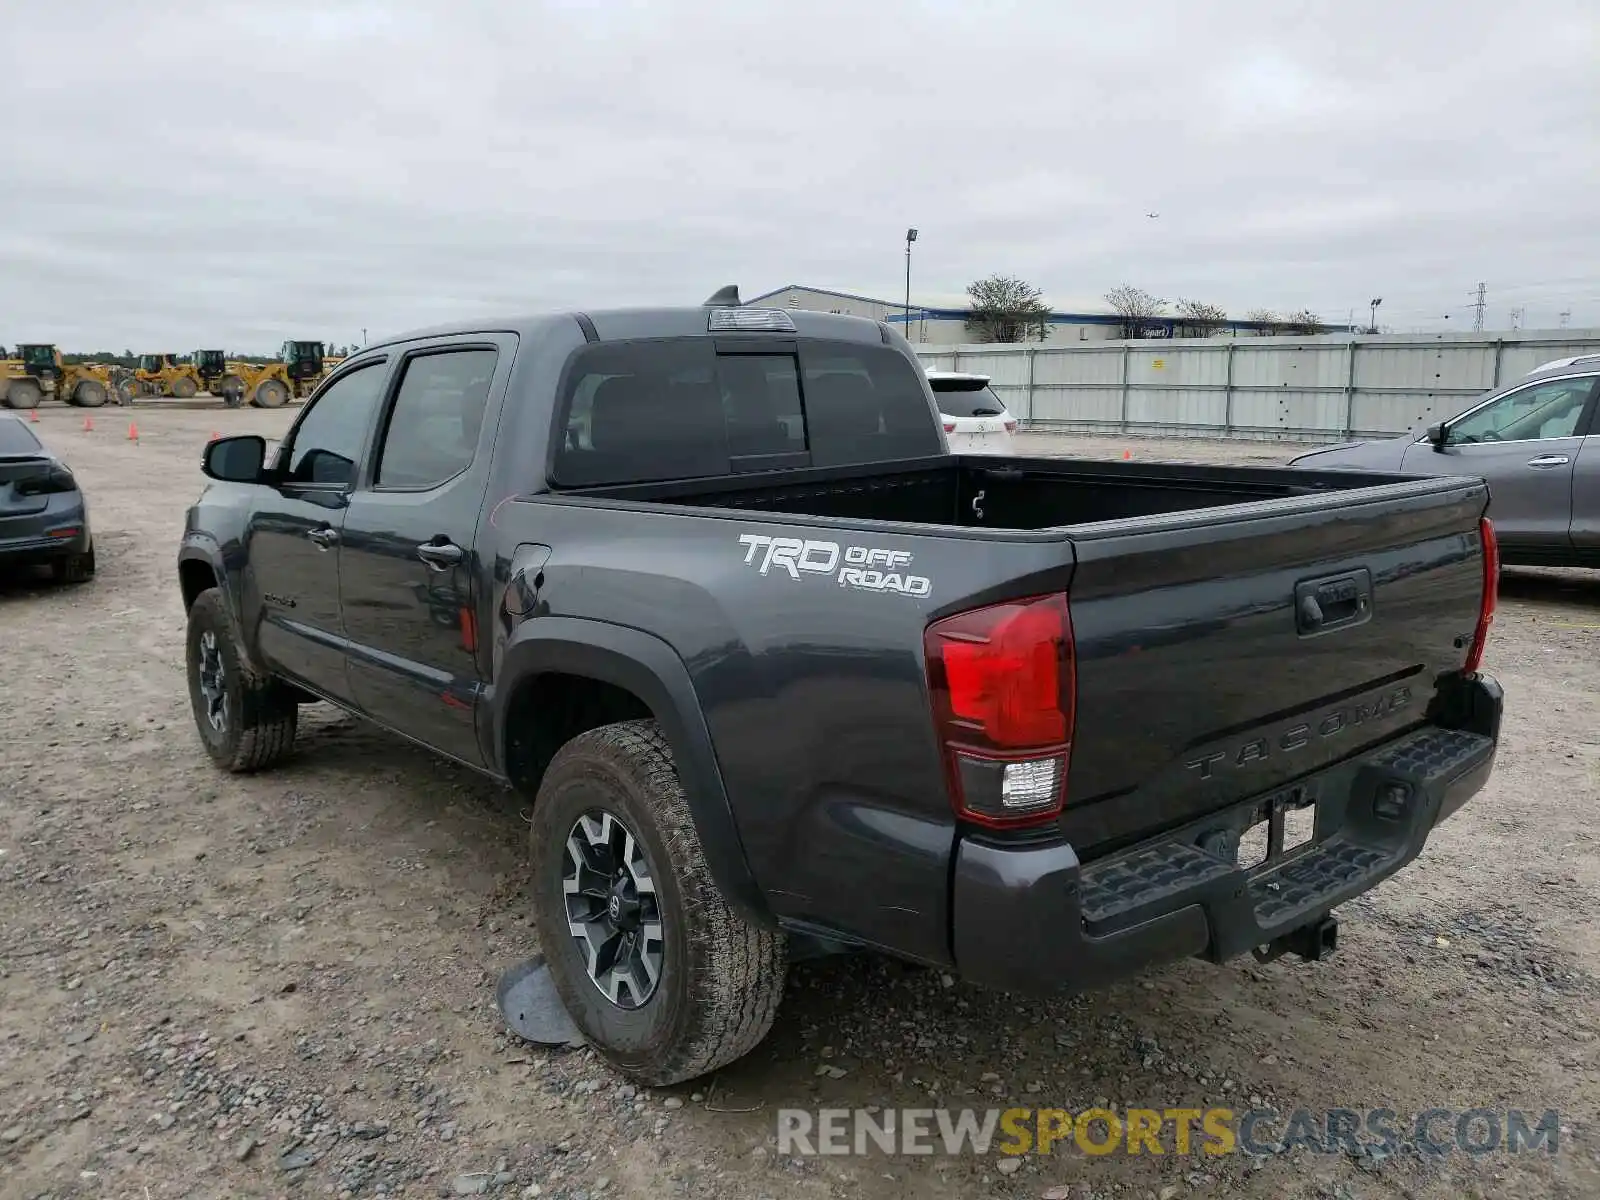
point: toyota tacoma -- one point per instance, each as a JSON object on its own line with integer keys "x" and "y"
{"x": 781, "y": 676}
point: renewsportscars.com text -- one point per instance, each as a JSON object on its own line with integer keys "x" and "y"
{"x": 1097, "y": 1131}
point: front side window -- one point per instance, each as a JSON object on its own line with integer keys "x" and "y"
{"x": 438, "y": 411}
{"x": 1545, "y": 410}
{"x": 326, "y": 444}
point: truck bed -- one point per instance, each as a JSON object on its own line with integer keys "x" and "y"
{"x": 1198, "y": 685}
{"x": 1009, "y": 493}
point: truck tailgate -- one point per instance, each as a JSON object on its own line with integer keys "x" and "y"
{"x": 1225, "y": 652}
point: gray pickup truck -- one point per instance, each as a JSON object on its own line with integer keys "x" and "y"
{"x": 781, "y": 676}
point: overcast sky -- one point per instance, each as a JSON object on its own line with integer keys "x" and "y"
{"x": 226, "y": 174}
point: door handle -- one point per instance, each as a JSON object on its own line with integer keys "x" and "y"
{"x": 324, "y": 535}
{"x": 1549, "y": 460}
{"x": 440, "y": 555}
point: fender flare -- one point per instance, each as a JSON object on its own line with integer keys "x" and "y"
{"x": 651, "y": 669}
{"x": 205, "y": 550}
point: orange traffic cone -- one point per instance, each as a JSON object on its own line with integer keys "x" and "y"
{"x": 214, "y": 436}
{"x": 1127, "y": 455}
{"x": 33, "y": 416}
{"x": 88, "y": 424}
{"x": 133, "y": 432}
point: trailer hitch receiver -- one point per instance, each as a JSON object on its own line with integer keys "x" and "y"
{"x": 1312, "y": 942}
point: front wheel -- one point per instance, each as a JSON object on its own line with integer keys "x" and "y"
{"x": 660, "y": 973}
{"x": 246, "y": 720}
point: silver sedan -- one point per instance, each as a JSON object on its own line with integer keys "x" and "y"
{"x": 1536, "y": 442}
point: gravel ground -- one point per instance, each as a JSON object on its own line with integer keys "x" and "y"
{"x": 283, "y": 985}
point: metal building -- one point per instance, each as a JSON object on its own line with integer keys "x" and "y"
{"x": 942, "y": 320}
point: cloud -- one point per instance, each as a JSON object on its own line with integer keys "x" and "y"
{"x": 234, "y": 174}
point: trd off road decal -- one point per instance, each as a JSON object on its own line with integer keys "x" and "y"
{"x": 865, "y": 568}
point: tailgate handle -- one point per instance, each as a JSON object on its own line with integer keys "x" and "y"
{"x": 1333, "y": 602}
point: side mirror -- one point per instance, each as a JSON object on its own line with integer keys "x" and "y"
{"x": 235, "y": 459}
{"x": 1436, "y": 436}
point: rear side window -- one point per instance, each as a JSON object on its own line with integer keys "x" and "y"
{"x": 968, "y": 400}
{"x": 677, "y": 409}
{"x": 17, "y": 438}
{"x": 438, "y": 411}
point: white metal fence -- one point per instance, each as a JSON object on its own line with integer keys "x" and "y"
{"x": 1281, "y": 388}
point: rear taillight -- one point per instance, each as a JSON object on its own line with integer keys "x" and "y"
{"x": 1003, "y": 681}
{"x": 949, "y": 426}
{"x": 56, "y": 479}
{"x": 1491, "y": 593}
{"x": 1011, "y": 426}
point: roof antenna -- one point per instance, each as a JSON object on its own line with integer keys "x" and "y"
{"x": 725, "y": 297}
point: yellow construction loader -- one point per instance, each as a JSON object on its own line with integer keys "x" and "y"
{"x": 294, "y": 375}
{"x": 204, "y": 371}
{"x": 36, "y": 371}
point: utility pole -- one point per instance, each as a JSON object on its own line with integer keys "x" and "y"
{"x": 1372, "y": 325}
{"x": 1477, "y": 315}
{"x": 1516, "y": 317}
{"x": 1566, "y": 317}
{"x": 911, "y": 236}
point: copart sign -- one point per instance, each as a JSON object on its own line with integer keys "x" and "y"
{"x": 865, "y": 568}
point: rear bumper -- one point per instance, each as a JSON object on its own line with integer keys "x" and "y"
{"x": 28, "y": 551}
{"x": 1033, "y": 918}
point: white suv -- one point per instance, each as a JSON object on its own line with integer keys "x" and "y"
{"x": 975, "y": 419}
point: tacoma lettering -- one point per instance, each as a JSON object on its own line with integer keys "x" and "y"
{"x": 1298, "y": 737}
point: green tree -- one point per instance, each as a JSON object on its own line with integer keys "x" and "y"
{"x": 1135, "y": 306}
{"x": 1205, "y": 320}
{"x": 1007, "y": 309}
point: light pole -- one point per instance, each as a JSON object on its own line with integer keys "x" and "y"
{"x": 911, "y": 236}
{"x": 1372, "y": 325}
{"x": 363, "y": 335}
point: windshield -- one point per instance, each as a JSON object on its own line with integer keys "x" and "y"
{"x": 208, "y": 360}
{"x": 38, "y": 356}
{"x": 16, "y": 438}
{"x": 149, "y": 362}
{"x": 967, "y": 398}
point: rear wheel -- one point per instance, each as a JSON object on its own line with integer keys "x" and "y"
{"x": 246, "y": 720}
{"x": 270, "y": 394}
{"x": 75, "y": 568}
{"x": 660, "y": 973}
{"x": 90, "y": 393}
{"x": 231, "y": 389}
{"x": 23, "y": 393}
{"x": 183, "y": 388}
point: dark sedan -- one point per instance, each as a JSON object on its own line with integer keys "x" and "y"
{"x": 43, "y": 517}
{"x": 1536, "y": 442}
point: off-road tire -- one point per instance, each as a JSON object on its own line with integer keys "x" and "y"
{"x": 270, "y": 393}
{"x": 231, "y": 390}
{"x": 75, "y": 568}
{"x": 90, "y": 393}
{"x": 721, "y": 976}
{"x": 23, "y": 393}
{"x": 183, "y": 388}
{"x": 261, "y": 713}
